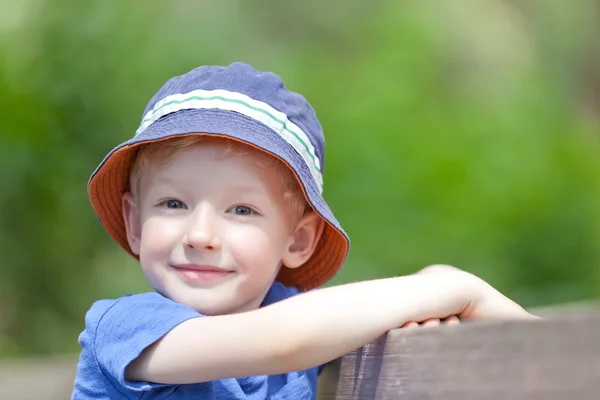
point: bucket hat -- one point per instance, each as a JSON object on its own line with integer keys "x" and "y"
{"x": 242, "y": 104}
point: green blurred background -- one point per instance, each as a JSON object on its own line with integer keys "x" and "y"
{"x": 462, "y": 132}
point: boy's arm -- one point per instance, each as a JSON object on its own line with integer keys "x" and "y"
{"x": 313, "y": 328}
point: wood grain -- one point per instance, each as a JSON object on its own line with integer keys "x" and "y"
{"x": 557, "y": 358}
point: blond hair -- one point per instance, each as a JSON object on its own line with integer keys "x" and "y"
{"x": 166, "y": 151}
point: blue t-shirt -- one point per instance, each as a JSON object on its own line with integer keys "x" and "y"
{"x": 117, "y": 331}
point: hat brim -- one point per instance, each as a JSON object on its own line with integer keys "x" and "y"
{"x": 111, "y": 179}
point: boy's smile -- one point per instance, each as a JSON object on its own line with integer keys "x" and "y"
{"x": 202, "y": 274}
{"x": 211, "y": 229}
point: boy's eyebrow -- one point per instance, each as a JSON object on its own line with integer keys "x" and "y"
{"x": 163, "y": 181}
{"x": 245, "y": 188}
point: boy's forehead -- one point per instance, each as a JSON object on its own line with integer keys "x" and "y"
{"x": 220, "y": 155}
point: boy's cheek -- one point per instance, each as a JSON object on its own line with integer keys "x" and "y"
{"x": 255, "y": 242}
{"x": 158, "y": 229}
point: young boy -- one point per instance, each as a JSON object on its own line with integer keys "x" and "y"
{"x": 219, "y": 197}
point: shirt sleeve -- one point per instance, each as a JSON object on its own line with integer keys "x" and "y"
{"x": 129, "y": 326}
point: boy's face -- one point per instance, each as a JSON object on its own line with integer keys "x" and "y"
{"x": 212, "y": 231}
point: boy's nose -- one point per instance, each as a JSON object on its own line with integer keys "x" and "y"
{"x": 202, "y": 232}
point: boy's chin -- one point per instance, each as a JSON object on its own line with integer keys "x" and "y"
{"x": 214, "y": 306}
{"x": 219, "y": 300}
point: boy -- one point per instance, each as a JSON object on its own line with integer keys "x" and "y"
{"x": 219, "y": 197}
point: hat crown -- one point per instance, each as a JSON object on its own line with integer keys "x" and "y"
{"x": 265, "y": 87}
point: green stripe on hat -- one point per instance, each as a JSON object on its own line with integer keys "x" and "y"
{"x": 257, "y": 110}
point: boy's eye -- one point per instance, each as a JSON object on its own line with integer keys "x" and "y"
{"x": 242, "y": 210}
{"x": 173, "y": 203}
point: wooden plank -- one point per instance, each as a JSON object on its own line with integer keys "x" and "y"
{"x": 558, "y": 358}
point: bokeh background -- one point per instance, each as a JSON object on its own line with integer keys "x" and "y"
{"x": 462, "y": 132}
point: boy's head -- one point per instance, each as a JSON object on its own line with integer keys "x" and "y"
{"x": 213, "y": 221}
{"x": 219, "y": 192}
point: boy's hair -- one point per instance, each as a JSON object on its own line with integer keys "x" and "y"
{"x": 166, "y": 151}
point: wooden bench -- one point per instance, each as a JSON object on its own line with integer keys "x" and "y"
{"x": 558, "y": 358}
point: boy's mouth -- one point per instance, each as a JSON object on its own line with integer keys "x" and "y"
{"x": 201, "y": 274}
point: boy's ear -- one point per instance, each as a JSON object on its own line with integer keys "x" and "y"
{"x": 133, "y": 224}
{"x": 303, "y": 240}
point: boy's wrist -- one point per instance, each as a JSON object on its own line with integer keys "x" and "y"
{"x": 482, "y": 301}
{"x": 460, "y": 290}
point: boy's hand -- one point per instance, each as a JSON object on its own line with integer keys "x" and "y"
{"x": 488, "y": 304}
{"x": 451, "y": 320}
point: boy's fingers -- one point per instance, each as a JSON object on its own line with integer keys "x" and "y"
{"x": 410, "y": 324}
{"x": 431, "y": 322}
{"x": 452, "y": 320}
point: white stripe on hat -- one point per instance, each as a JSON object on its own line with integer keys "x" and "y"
{"x": 238, "y": 102}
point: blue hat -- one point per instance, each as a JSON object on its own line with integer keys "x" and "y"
{"x": 242, "y": 104}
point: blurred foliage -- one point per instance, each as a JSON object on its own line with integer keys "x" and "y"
{"x": 463, "y": 133}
